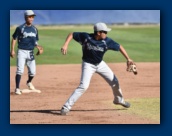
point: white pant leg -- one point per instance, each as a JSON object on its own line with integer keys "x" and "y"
{"x": 108, "y": 75}
{"x": 31, "y": 64}
{"x": 21, "y": 60}
{"x": 87, "y": 71}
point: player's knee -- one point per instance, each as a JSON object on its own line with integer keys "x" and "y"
{"x": 20, "y": 72}
{"x": 83, "y": 87}
{"x": 114, "y": 82}
{"x": 32, "y": 73}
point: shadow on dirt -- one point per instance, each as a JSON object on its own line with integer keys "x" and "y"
{"x": 57, "y": 112}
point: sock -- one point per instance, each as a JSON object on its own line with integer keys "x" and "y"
{"x": 30, "y": 78}
{"x": 18, "y": 77}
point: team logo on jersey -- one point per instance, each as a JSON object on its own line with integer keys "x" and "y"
{"x": 96, "y": 48}
{"x": 25, "y": 34}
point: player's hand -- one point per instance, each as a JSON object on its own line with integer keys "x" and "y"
{"x": 40, "y": 50}
{"x": 12, "y": 54}
{"x": 64, "y": 50}
{"x": 131, "y": 66}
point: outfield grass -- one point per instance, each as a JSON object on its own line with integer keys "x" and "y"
{"x": 141, "y": 43}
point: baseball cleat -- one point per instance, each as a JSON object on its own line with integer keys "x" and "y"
{"x": 64, "y": 111}
{"x": 124, "y": 104}
{"x": 18, "y": 91}
{"x": 30, "y": 86}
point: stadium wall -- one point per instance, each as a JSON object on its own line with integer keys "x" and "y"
{"x": 58, "y": 17}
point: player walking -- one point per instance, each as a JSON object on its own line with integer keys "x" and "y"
{"x": 93, "y": 47}
{"x": 27, "y": 36}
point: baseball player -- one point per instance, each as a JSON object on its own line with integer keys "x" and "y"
{"x": 94, "y": 47}
{"x": 27, "y": 36}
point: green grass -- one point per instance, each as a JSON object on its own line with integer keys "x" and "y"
{"x": 141, "y": 43}
{"x": 146, "y": 108}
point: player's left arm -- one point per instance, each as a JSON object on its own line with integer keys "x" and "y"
{"x": 37, "y": 39}
{"x": 39, "y": 47}
{"x": 131, "y": 66}
{"x": 124, "y": 53}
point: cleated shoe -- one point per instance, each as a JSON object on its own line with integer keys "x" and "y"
{"x": 64, "y": 111}
{"x": 30, "y": 86}
{"x": 124, "y": 104}
{"x": 18, "y": 91}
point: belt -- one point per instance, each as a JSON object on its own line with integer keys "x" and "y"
{"x": 95, "y": 64}
{"x": 24, "y": 49}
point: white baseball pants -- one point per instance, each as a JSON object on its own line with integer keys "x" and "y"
{"x": 87, "y": 71}
{"x": 25, "y": 57}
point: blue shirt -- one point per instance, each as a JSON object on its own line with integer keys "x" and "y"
{"x": 27, "y": 36}
{"x": 94, "y": 50}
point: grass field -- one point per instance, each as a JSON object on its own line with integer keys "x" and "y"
{"x": 151, "y": 108}
{"x": 141, "y": 43}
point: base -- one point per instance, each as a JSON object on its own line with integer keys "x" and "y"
{"x": 30, "y": 91}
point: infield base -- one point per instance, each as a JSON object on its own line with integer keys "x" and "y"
{"x": 30, "y": 91}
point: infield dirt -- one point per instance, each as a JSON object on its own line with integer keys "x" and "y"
{"x": 57, "y": 82}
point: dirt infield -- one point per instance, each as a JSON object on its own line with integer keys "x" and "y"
{"x": 57, "y": 82}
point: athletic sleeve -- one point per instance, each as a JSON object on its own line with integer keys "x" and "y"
{"x": 79, "y": 37}
{"x": 112, "y": 45}
{"x": 16, "y": 33}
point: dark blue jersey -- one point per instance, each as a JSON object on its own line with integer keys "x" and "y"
{"x": 93, "y": 50}
{"x": 27, "y": 37}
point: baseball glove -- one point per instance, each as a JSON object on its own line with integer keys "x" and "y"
{"x": 131, "y": 67}
{"x": 40, "y": 50}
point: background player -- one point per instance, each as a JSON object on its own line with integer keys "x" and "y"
{"x": 27, "y": 36}
{"x": 93, "y": 47}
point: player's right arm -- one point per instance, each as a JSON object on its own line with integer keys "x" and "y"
{"x": 77, "y": 36}
{"x": 65, "y": 46}
{"x": 13, "y": 43}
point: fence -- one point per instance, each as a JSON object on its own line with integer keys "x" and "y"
{"x": 53, "y": 17}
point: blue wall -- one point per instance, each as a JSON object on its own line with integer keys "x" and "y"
{"x": 48, "y": 17}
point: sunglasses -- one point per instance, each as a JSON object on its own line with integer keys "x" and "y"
{"x": 105, "y": 32}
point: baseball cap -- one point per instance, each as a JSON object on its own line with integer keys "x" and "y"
{"x": 101, "y": 27}
{"x": 29, "y": 13}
